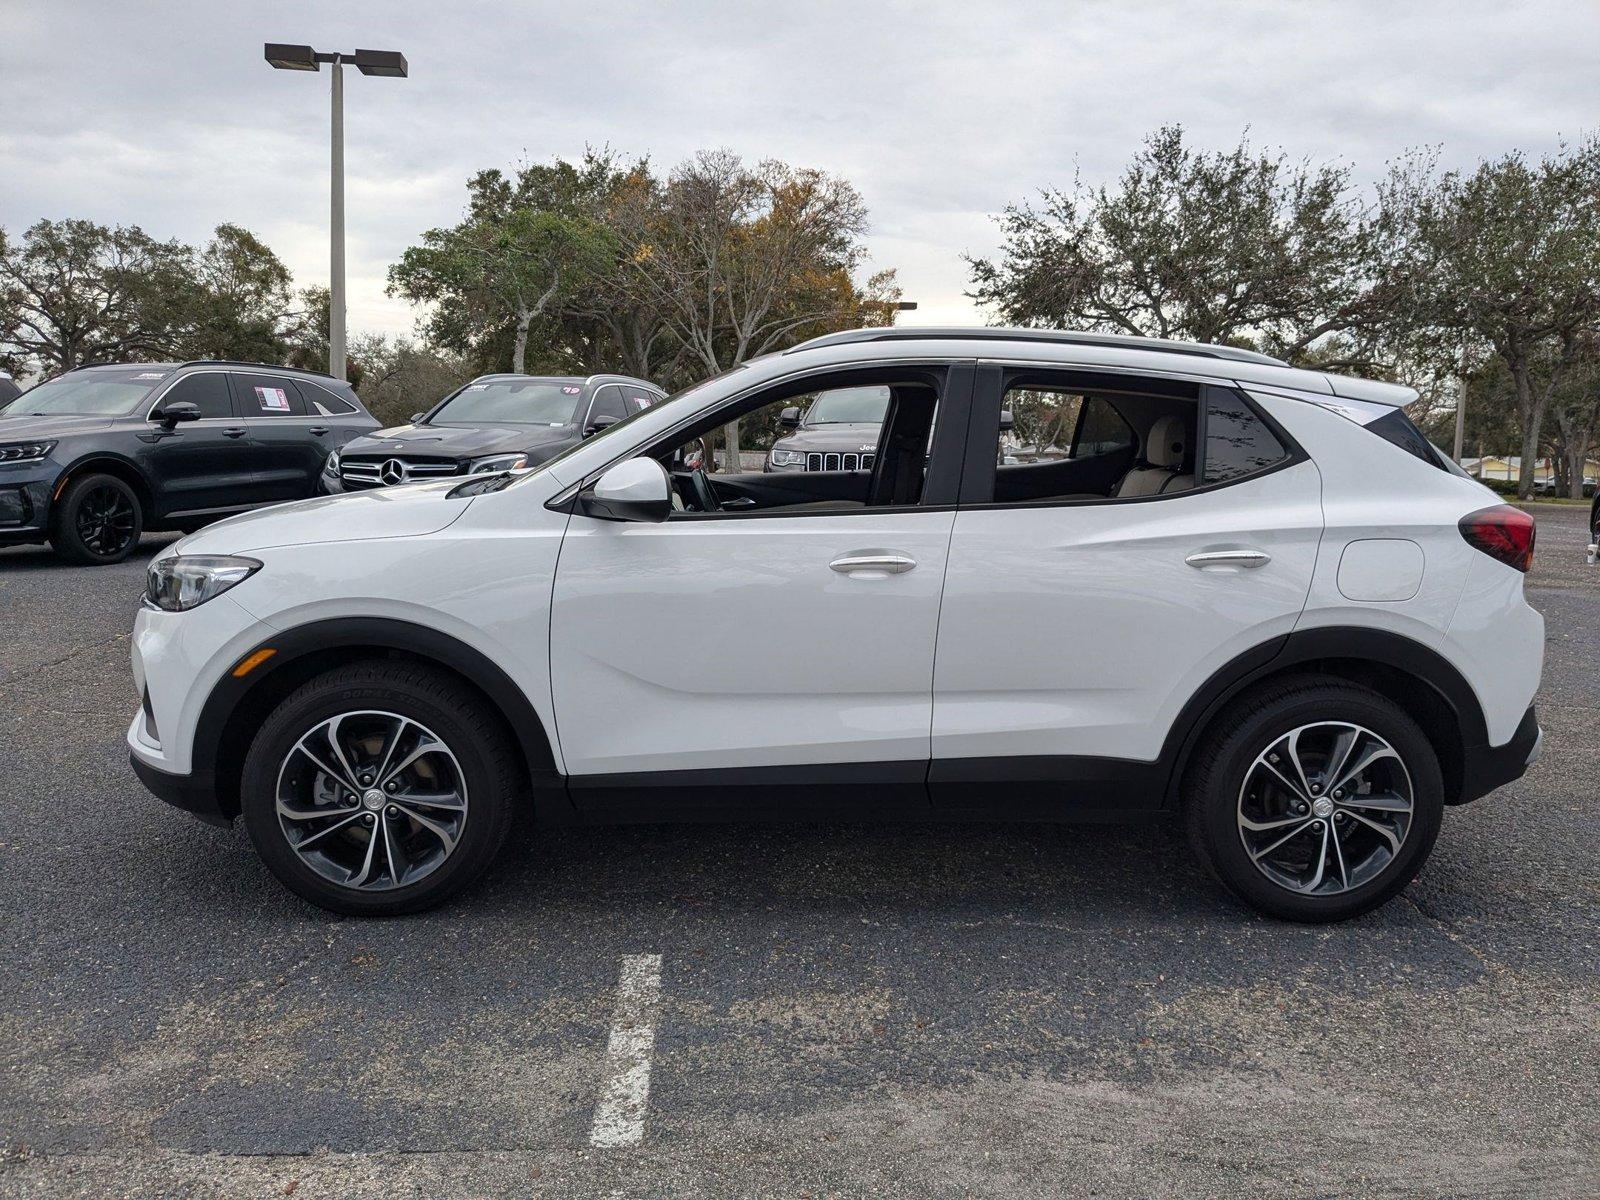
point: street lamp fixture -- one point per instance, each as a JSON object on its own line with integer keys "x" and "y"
{"x": 390, "y": 64}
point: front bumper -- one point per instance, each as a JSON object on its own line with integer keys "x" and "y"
{"x": 25, "y": 495}
{"x": 1485, "y": 768}
{"x": 194, "y": 793}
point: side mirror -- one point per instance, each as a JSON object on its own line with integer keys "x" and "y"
{"x": 598, "y": 424}
{"x": 638, "y": 489}
{"x": 1007, "y": 421}
{"x": 415, "y": 417}
{"x": 176, "y": 413}
{"x": 789, "y": 418}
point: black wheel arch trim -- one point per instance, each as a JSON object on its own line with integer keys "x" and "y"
{"x": 340, "y": 639}
{"x": 1379, "y": 647}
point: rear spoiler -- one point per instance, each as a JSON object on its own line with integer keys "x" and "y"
{"x": 1371, "y": 390}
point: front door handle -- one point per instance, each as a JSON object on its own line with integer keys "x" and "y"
{"x": 1229, "y": 558}
{"x": 236, "y": 432}
{"x": 873, "y": 563}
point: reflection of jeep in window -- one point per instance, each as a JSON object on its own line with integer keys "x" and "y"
{"x": 837, "y": 431}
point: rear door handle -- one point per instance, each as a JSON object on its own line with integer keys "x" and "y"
{"x": 318, "y": 430}
{"x": 1229, "y": 558}
{"x": 873, "y": 563}
{"x": 236, "y": 431}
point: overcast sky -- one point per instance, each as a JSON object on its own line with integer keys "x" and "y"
{"x": 165, "y": 115}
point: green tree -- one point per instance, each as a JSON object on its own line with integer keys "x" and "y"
{"x": 74, "y": 292}
{"x": 523, "y": 246}
{"x": 1504, "y": 259}
{"x": 238, "y": 302}
{"x": 1237, "y": 247}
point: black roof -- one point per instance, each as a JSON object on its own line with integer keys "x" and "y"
{"x": 994, "y": 333}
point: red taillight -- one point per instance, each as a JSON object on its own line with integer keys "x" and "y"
{"x": 1501, "y": 532}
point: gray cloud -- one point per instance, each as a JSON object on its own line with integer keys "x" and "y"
{"x": 166, "y": 116}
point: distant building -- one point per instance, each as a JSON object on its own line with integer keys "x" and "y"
{"x": 1509, "y": 470}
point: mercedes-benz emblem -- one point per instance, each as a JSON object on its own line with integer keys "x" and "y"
{"x": 392, "y": 472}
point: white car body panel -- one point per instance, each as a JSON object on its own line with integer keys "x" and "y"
{"x": 485, "y": 581}
{"x": 1378, "y": 491}
{"x": 1079, "y": 629}
{"x": 702, "y": 644}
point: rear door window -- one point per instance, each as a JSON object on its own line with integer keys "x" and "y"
{"x": 268, "y": 396}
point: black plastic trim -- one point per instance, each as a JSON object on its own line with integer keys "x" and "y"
{"x": 1488, "y": 767}
{"x": 196, "y": 794}
{"x": 322, "y": 638}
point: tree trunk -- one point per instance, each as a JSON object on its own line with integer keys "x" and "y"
{"x": 519, "y": 352}
{"x": 730, "y": 440}
{"x": 1577, "y": 455}
{"x": 1530, "y": 406}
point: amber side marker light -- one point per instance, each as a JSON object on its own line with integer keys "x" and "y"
{"x": 252, "y": 662}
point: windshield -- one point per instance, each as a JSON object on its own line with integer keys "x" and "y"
{"x": 99, "y": 393}
{"x": 850, "y": 406}
{"x": 610, "y": 430}
{"x": 510, "y": 402}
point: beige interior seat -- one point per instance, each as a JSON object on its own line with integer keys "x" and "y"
{"x": 1158, "y": 472}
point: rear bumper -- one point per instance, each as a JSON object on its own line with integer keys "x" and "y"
{"x": 194, "y": 794}
{"x": 1485, "y": 768}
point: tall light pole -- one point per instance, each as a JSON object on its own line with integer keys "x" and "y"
{"x": 389, "y": 63}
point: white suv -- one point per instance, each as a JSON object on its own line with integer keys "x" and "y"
{"x": 1084, "y": 577}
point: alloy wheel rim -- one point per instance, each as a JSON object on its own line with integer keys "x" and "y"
{"x": 1325, "y": 808}
{"x": 371, "y": 800}
{"x": 105, "y": 521}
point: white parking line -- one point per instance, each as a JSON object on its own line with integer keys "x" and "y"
{"x": 625, "y": 1090}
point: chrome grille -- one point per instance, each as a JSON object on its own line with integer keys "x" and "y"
{"x": 367, "y": 470}
{"x": 830, "y": 461}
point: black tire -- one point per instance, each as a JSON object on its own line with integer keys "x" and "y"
{"x": 1214, "y": 793}
{"x": 475, "y": 736}
{"x": 97, "y": 521}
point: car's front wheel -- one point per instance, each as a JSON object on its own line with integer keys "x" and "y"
{"x": 97, "y": 521}
{"x": 1314, "y": 799}
{"x": 380, "y": 788}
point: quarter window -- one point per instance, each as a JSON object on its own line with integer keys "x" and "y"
{"x": 208, "y": 391}
{"x": 1237, "y": 442}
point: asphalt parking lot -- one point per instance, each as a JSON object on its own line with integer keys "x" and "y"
{"x": 841, "y": 1010}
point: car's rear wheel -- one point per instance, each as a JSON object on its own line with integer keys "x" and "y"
{"x": 380, "y": 788}
{"x": 1314, "y": 799}
{"x": 97, "y": 521}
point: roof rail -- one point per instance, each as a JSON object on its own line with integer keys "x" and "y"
{"x": 234, "y": 362}
{"x": 995, "y": 333}
{"x": 204, "y": 362}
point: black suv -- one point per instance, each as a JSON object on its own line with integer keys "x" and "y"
{"x": 838, "y": 432}
{"x": 494, "y": 423}
{"x": 97, "y": 455}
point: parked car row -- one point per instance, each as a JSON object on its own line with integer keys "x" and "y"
{"x": 98, "y": 455}
{"x": 1251, "y": 595}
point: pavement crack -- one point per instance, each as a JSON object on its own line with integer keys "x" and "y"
{"x": 11, "y": 677}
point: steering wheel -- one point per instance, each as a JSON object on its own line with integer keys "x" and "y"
{"x": 705, "y": 497}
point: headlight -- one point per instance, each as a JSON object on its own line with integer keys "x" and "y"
{"x": 498, "y": 462}
{"x": 331, "y": 467}
{"x": 787, "y": 458}
{"x": 17, "y": 452}
{"x": 187, "y": 581}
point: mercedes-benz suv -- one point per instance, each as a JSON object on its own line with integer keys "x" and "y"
{"x": 1249, "y": 596}
{"x": 494, "y": 423}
